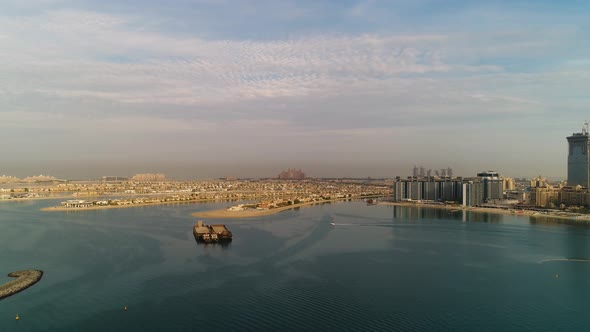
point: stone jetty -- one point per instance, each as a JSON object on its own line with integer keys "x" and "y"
{"x": 24, "y": 280}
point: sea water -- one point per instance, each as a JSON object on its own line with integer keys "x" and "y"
{"x": 378, "y": 268}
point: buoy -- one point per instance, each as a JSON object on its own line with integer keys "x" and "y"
{"x": 557, "y": 276}
{"x": 17, "y": 318}
{"x": 125, "y": 308}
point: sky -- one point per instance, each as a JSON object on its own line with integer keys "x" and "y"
{"x": 214, "y": 88}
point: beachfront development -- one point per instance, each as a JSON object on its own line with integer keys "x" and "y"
{"x": 260, "y": 194}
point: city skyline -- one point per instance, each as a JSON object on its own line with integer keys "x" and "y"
{"x": 203, "y": 89}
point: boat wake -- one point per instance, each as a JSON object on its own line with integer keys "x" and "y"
{"x": 582, "y": 260}
{"x": 361, "y": 224}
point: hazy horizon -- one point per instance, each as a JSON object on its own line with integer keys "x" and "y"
{"x": 204, "y": 89}
{"x": 199, "y": 171}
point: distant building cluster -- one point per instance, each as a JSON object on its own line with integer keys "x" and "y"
{"x": 489, "y": 187}
{"x": 114, "y": 178}
{"x": 30, "y": 179}
{"x": 486, "y": 187}
{"x": 423, "y": 172}
{"x": 292, "y": 174}
{"x": 149, "y": 177}
{"x": 40, "y": 178}
{"x": 575, "y": 192}
{"x": 9, "y": 179}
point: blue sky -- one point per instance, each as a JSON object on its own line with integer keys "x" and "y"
{"x": 246, "y": 88}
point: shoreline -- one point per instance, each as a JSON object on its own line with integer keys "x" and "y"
{"x": 37, "y": 198}
{"x": 108, "y": 207}
{"x": 83, "y": 197}
{"x": 251, "y": 213}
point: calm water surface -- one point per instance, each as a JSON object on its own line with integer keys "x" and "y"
{"x": 381, "y": 268}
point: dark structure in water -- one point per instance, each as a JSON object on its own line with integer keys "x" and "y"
{"x": 25, "y": 279}
{"x": 211, "y": 234}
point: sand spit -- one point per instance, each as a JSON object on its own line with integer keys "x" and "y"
{"x": 250, "y": 213}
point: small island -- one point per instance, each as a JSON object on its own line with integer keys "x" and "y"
{"x": 25, "y": 279}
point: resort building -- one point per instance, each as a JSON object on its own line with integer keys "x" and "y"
{"x": 76, "y": 203}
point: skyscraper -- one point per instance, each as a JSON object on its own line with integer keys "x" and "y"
{"x": 578, "y": 162}
{"x": 493, "y": 187}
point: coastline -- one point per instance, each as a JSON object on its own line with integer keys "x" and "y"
{"x": 226, "y": 214}
{"x": 108, "y": 207}
{"x": 251, "y": 213}
{"x": 37, "y": 198}
{"x": 79, "y": 196}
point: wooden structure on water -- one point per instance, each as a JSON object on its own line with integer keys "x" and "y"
{"x": 211, "y": 233}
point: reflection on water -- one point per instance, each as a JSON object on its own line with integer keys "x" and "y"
{"x": 547, "y": 220}
{"x": 483, "y": 217}
{"x": 330, "y": 267}
{"x": 419, "y": 213}
{"x": 222, "y": 244}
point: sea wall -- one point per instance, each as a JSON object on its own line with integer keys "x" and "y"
{"x": 25, "y": 279}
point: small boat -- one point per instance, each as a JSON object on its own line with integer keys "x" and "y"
{"x": 333, "y": 224}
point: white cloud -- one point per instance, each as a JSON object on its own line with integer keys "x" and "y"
{"x": 83, "y": 54}
{"x": 86, "y": 74}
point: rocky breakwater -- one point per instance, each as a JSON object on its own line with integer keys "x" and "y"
{"x": 24, "y": 280}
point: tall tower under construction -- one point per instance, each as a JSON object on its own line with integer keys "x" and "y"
{"x": 578, "y": 161}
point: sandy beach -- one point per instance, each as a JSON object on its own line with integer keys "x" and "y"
{"x": 226, "y": 214}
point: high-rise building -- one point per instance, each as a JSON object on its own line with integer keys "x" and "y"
{"x": 539, "y": 182}
{"x": 509, "y": 184}
{"x": 108, "y": 178}
{"x": 578, "y": 162}
{"x": 487, "y": 187}
{"x": 472, "y": 193}
{"x": 428, "y": 172}
{"x": 149, "y": 177}
{"x": 292, "y": 174}
{"x": 450, "y": 172}
{"x": 427, "y": 188}
{"x": 493, "y": 186}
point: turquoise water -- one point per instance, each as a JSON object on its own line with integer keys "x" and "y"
{"x": 381, "y": 268}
